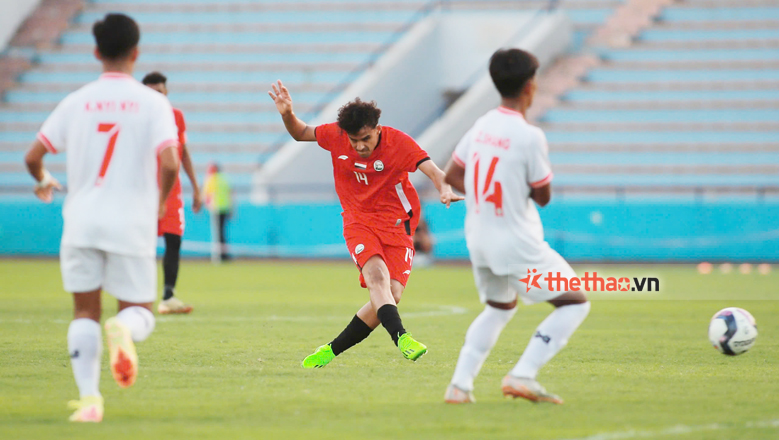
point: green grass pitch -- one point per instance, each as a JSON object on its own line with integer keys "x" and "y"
{"x": 639, "y": 367}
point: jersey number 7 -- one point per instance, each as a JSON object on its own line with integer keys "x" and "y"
{"x": 113, "y": 130}
{"x": 496, "y": 198}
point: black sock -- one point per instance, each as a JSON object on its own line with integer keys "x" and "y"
{"x": 390, "y": 319}
{"x": 170, "y": 263}
{"x": 353, "y": 334}
{"x": 168, "y": 293}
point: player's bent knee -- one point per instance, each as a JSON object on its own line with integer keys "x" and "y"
{"x": 569, "y": 298}
{"x": 503, "y": 306}
{"x": 375, "y": 276}
{"x": 139, "y": 320}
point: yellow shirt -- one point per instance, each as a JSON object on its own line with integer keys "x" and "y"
{"x": 217, "y": 191}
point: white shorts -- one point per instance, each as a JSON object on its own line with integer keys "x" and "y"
{"x": 505, "y": 288}
{"x": 127, "y": 278}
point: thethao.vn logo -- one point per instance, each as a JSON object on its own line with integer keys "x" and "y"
{"x": 590, "y": 283}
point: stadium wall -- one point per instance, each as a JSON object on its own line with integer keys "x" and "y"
{"x": 14, "y": 12}
{"x": 581, "y": 230}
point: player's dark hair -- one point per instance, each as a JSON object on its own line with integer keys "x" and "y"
{"x": 116, "y": 36}
{"x": 511, "y": 69}
{"x": 154, "y": 78}
{"x": 355, "y": 115}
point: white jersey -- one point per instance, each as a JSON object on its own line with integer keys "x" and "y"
{"x": 112, "y": 130}
{"x": 504, "y": 157}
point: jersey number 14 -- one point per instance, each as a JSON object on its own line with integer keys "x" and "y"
{"x": 496, "y": 198}
{"x": 361, "y": 177}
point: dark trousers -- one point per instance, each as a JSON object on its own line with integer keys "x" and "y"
{"x": 223, "y": 217}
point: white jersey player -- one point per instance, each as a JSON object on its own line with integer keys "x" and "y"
{"x": 502, "y": 166}
{"x": 112, "y": 131}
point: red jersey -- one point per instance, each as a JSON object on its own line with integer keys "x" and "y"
{"x": 173, "y": 222}
{"x": 375, "y": 192}
{"x": 182, "y": 132}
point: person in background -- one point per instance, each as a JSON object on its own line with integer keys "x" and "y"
{"x": 423, "y": 245}
{"x": 171, "y": 227}
{"x": 219, "y": 201}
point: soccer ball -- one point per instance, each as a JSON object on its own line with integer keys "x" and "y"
{"x": 732, "y": 331}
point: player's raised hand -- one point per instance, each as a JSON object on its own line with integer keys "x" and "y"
{"x": 448, "y": 196}
{"x": 281, "y": 97}
{"x": 45, "y": 189}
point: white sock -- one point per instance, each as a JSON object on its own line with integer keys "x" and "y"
{"x": 139, "y": 320}
{"x": 85, "y": 345}
{"x": 479, "y": 340}
{"x": 550, "y": 337}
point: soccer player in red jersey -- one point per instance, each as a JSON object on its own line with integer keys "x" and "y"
{"x": 171, "y": 226}
{"x": 381, "y": 211}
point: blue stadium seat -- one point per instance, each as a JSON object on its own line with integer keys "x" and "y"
{"x": 234, "y": 57}
{"x": 244, "y": 38}
{"x": 670, "y": 76}
{"x": 671, "y": 96}
{"x": 666, "y": 115}
{"x": 654, "y": 35}
{"x": 757, "y": 54}
{"x": 660, "y": 137}
{"x": 267, "y": 77}
{"x": 297, "y": 17}
{"x": 720, "y": 14}
{"x": 663, "y": 158}
{"x": 218, "y": 74}
{"x": 659, "y": 180}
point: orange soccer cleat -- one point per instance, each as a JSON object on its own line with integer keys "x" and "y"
{"x": 122, "y": 355}
{"x": 456, "y": 395}
{"x": 527, "y": 389}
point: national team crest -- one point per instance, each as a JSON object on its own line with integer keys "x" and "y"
{"x": 378, "y": 165}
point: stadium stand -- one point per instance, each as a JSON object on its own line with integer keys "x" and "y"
{"x": 690, "y": 103}
{"x": 220, "y": 58}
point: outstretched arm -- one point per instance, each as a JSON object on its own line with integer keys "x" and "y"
{"x": 298, "y": 129}
{"x": 455, "y": 175}
{"x": 437, "y": 176}
{"x": 46, "y": 184}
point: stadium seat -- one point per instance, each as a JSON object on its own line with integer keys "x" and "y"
{"x": 221, "y": 57}
{"x": 692, "y": 102}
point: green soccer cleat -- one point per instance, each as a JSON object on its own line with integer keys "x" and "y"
{"x": 410, "y": 348}
{"x": 321, "y": 357}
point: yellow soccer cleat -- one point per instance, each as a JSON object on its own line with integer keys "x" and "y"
{"x": 527, "y": 389}
{"x": 89, "y": 409}
{"x": 122, "y": 355}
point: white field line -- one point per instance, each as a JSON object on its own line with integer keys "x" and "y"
{"x": 679, "y": 430}
{"x": 439, "y": 311}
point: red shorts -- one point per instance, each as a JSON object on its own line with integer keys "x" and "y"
{"x": 395, "y": 248}
{"x": 173, "y": 221}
